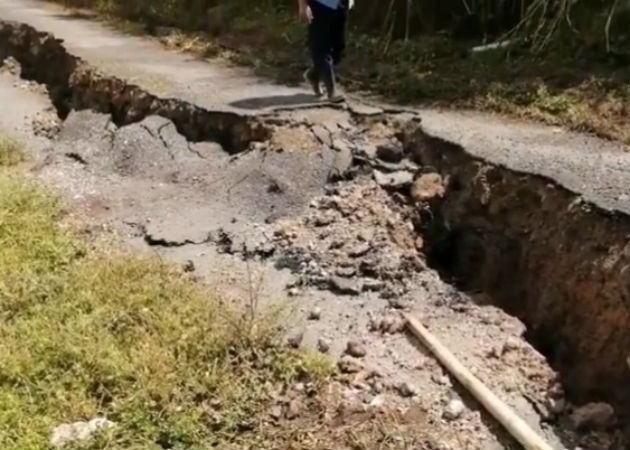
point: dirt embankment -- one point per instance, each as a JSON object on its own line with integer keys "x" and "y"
{"x": 543, "y": 255}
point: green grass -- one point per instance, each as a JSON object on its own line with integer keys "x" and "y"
{"x": 86, "y": 333}
{"x": 11, "y": 152}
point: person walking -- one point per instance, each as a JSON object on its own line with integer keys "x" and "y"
{"x": 327, "y": 40}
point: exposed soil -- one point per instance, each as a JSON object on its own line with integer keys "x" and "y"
{"x": 570, "y": 257}
{"x": 341, "y": 214}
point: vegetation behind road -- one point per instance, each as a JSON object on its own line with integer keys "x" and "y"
{"x": 566, "y": 64}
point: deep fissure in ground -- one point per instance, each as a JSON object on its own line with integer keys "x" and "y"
{"x": 544, "y": 256}
{"x": 73, "y": 84}
{"x": 559, "y": 264}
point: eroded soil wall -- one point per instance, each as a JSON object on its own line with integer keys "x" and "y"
{"x": 536, "y": 250}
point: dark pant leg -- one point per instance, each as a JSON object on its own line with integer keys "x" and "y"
{"x": 338, "y": 33}
{"x": 320, "y": 43}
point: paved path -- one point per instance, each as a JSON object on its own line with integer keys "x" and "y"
{"x": 597, "y": 169}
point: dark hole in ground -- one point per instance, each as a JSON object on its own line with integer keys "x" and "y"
{"x": 480, "y": 262}
{"x": 534, "y": 252}
{"x": 74, "y": 85}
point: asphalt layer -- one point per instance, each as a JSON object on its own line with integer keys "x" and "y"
{"x": 597, "y": 169}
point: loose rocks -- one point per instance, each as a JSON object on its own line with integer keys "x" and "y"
{"x": 592, "y": 415}
{"x": 393, "y": 180}
{"x": 293, "y": 409}
{"x": 78, "y": 431}
{"x": 406, "y": 389}
{"x": 360, "y": 250}
{"x": 344, "y": 286}
{"x": 356, "y": 349}
{"x": 323, "y": 345}
{"x": 348, "y": 364}
{"x": 315, "y": 314}
{"x": 511, "y": 344}
{"x": 428, "y": 187}
{"x": 295, "y": 340}
{"x": 454, "y": 409}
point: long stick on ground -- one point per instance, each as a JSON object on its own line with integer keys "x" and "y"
{"x": 499, "y": 410}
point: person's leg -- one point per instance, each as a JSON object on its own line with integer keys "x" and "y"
{"x": 339, "y": 34}
{"x": 312, "y": 78}
{"x": 321, "y": 44}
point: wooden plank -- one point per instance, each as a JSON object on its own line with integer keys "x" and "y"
{"x": 516, "y": 426}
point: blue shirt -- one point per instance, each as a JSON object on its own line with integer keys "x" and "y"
{"x": 333, "y": 4}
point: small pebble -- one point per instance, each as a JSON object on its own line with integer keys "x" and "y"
{"x": 406, "y": 389}
{"x": 295, "y": 340}
{"x": 323, "y": 345}
{"x": 315, "y": 314}
{"x": 511, "y": 344}
{"x": 349, "y": 365}
{"x": 442, "y": 380}
{"x": 377, "y": 402}
{"x": 454, "y": 409}
{"x": 356, "y": 349}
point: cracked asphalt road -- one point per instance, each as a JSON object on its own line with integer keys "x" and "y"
{"x": 597, "y": 169}
{"x": 172, "y": 197}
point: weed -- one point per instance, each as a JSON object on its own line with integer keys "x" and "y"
{"x": 11, "y": 152}
{"x": 128, "y": 338}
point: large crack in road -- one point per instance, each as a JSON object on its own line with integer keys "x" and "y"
{"x": 345, "y": 213}
{"x": 73, "y": 85}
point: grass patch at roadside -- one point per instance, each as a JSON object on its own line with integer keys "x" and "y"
{"x": 11, "y": 152}
{"x": 86, "y": 334}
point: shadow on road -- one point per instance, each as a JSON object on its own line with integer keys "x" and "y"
{"x": 275, "y": 100}
{"x": 76, "y": 15}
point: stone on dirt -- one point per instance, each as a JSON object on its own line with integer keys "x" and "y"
{"x": 378, "y": 401}
{"x": 427, "y": 187}
{"x": 373, "y": 285}
{"x": 276, "y": 412}
{"x": 344, "y": 286}
{"x": 293, "y": 292}
{"x": 406, "y": 389}
{"x": 322, "y": 220}
{"x": 78, "y": 431}
{"x": 346, "y": 272}
{"x": 315, "y": 314}
{"x": 348, "y": 365}
{"x": 323, "y": 345}
{"x": 356, "y": 349}
{"x": 441, "y": 380}
{"x": 295, "y": 340}
{"x": 592, "y": 415}
{"x": 398, "y": 303}
{"x": 393, "y": 180}
{"x": 511, "y": 344}
{"x": 293, "y": 409}
{"x": 359, "y": 250}
{"x": 454, "y": 409}
{"x": 341, "y": 165}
